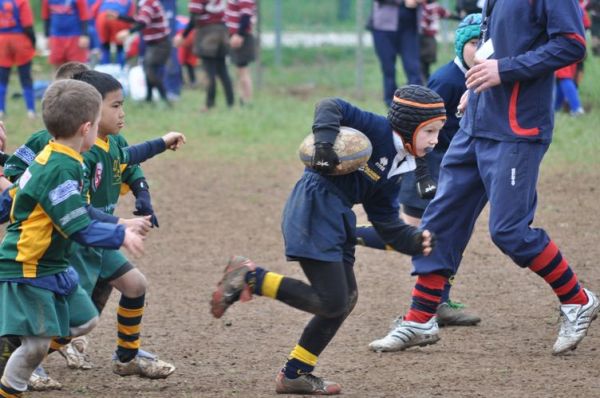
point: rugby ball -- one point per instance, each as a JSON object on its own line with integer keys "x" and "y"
{"x": 352, "y": 147}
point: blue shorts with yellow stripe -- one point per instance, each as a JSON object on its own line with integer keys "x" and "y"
{"x": 318, "y": 222}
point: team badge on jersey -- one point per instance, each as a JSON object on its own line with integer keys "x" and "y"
{"x": 97, "y": 176}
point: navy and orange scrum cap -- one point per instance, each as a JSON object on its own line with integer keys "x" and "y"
{"x": 412, "y": 108}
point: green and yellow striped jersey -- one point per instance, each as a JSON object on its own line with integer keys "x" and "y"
{"x": 47, "y": 208}
{"x": 106, "y": 170}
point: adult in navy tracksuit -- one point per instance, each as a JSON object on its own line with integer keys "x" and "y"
{"x": 495, "y": 157}
{"x": 319, "y": 224}
{"x": 395, "y": 28}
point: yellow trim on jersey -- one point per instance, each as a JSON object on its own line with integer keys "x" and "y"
{"x": 270, "y": 284}
{"x": 303, "y": 355}
{"x": 132, "y": 345}
{"x": 36, "y": 236}
{"x": 65, "y": 150}
{"x": 103, "y": 144}
{"x": 130, "y": 313}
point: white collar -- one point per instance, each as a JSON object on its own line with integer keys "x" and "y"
{"x": 460, "y": 65}
{"x": 403, "y": 162}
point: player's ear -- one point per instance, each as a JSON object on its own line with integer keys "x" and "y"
{"x": 85, "y": 128}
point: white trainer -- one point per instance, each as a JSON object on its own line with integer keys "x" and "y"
{"x": 575, "y": 322}
{"x": 405, "y": 334}
{"x": 76, "y": 354}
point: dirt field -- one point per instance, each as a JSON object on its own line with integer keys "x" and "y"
{"x": 208, "y": 212}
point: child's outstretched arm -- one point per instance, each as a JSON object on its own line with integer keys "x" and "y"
{"x": 143, "y": 202}
{"x": 139, "y": 153}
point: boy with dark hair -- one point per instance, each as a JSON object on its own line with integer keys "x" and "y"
{"x": 319, "y": 224}
{"x": 41, "y": 295}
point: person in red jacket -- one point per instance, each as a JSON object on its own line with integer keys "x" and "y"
{"x": 17, "y": 48}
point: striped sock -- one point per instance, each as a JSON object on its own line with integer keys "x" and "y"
{"x": 57, "y": 343}
{"x": 426, "y": 297}
{"x": 7, "y": 392}
{"x": 300, "y": 362}
{"x": 555, "y": 270}
{"x": 129, "y": 320}
{"x": 263, "y": 282}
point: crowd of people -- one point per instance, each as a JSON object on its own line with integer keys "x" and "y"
{"x": 91, "y": 30}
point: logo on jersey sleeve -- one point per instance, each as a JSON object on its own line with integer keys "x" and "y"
{"x": 63, "y": 192}
{"x": 97, "y": 176}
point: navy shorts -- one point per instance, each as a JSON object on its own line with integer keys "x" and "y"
{"x": 318, "y": 222}
{"x": 411, "y": 202}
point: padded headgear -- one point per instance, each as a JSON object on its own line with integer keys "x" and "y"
{"x": 412, "y": 108}
{"x": 468, "y": 29}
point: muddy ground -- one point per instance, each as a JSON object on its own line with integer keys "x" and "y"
{"x": 208, "y": 212}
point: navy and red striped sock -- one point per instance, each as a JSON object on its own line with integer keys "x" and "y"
{"x": 426, "y": 297}
{"x": 555, "y": 270}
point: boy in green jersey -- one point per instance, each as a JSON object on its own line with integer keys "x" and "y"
{"x": 109, "y": 164}
{"x": 40, "y": 295}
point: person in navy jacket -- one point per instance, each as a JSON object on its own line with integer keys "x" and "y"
{"x": 495, "y": 157}
{"x": 319, "y": 224}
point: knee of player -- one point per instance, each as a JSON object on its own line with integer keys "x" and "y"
{"x": 85, "y": 328}
{"x": 133, "y": 284}
{"x": 336, "y": 306}
{"x": 505, "y": 237}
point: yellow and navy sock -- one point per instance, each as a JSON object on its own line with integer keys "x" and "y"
{"x": 129, "y": 320}
{"x": 555, "y": 270}
{"x": 300, "y": 362}
{"x": 8, "y": 392}
{"x": 263, "y": 282}
{"x": 426, "y": 297}
{"x": 57, "y": 343}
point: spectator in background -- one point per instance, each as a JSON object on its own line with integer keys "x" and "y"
{"x": 17, "y": 48}
{"x": 151, "y": 21}
{"x": 212, "y": 45}
{"x": 466, "y": 7}
{"x": 240, "y": 18}
{"x": 173, "y": 79}
{"x": 395, "y": 28}
{"x": 185, "y": 53}
{"x": 107, "y": 27}
{"x": 65, "y": 25}
{"x": 430, "y": 26}
{"x": 566, "y": 90}
{"x": 593, "y": 8}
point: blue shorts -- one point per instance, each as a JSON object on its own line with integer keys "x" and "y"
{"x": 411, "y": 202}
{"x": 318, "y": 222}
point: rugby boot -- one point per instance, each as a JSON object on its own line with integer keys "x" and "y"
{"x": 144, "y": 364}
{"x": 40, "y": 381}
{"x": 232, "y": 287}
{"x": 405, "y": 334}
{"x": 307, "y": 384}
{"x": 575, "y": 322}
{"x": 452, "y": 313}
{"x": 76, "y": 355}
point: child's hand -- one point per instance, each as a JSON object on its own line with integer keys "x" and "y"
{"x": 2, "y": 136}
{"x": 133, "y": 242}
{"x": 178, "y": 40}
{"x": 428, "y": 242}
{"x": 173, "y": 140}
{"x": 139, "y": 225}
{"x": 83, "y": 42}
{"x": 236, "y": 41}
{"x": 122, "y": 35}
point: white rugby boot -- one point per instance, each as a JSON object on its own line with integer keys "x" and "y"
{"x": 575, "y": 322}
{"x": 405, "y": 334}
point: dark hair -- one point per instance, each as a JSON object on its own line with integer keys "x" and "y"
{"x": 103, "y": 82}
{"x": 67, "y": 104}
{"x": 70, "y": 69}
